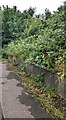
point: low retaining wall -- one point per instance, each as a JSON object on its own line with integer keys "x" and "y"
{"x": 49, "y": 77}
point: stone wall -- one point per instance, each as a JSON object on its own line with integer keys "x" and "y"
{"x": 49, "y": 77}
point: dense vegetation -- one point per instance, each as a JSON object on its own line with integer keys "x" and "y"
{"x": 39, "y": 39}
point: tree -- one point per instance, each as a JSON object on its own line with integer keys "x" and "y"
{"x": 47, "y": 13}
{"x": 31, "y": 11}
{"x": 11, "y": 24}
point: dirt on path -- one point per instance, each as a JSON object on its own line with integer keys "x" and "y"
{"x": 16, "y": 102}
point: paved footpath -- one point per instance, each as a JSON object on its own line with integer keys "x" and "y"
{"x": 16, "y": 102}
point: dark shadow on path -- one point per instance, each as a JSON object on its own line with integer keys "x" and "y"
{"x": 33, "y": 106}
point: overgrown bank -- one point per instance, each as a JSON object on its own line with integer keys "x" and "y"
{"x": 36, "y": 39}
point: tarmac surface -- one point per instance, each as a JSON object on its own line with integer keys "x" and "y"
{"x": 15, "y": 101}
